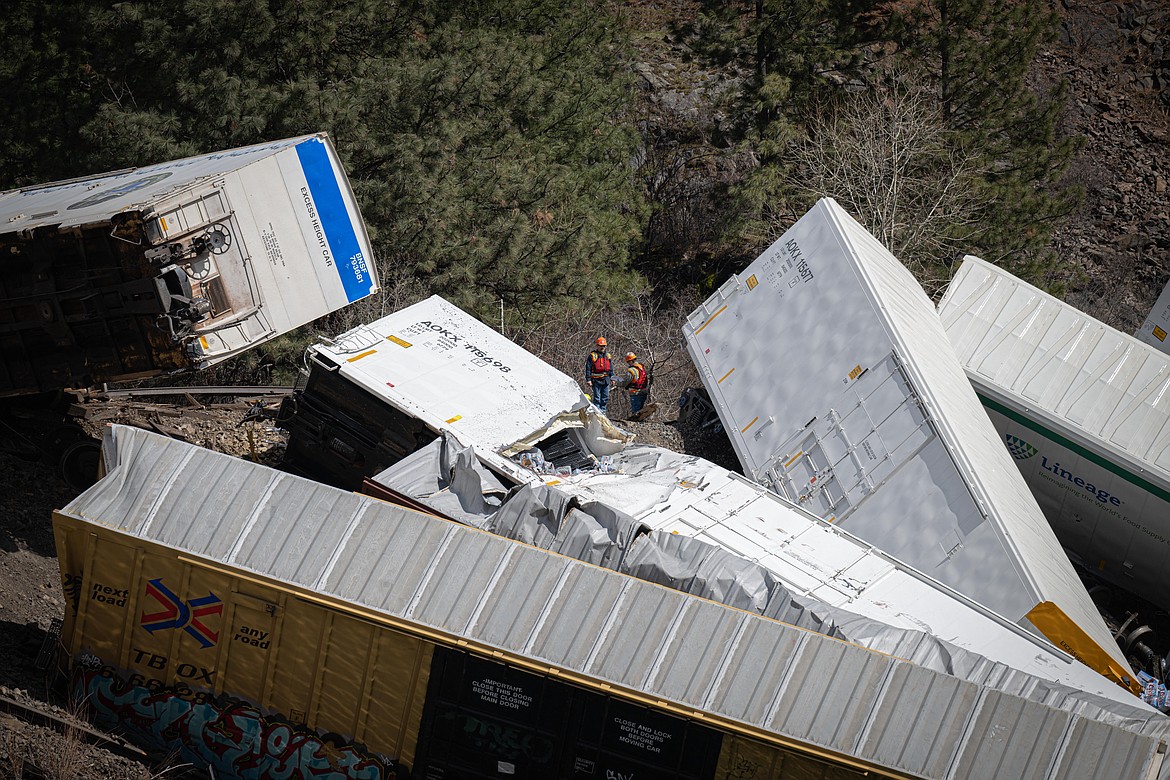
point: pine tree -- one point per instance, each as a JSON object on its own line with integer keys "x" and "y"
{"x": 784, "y": 52}
{"x": 977, "y": 54}
{"x": 489, "y": 142}
{"x": 42, "y": 77}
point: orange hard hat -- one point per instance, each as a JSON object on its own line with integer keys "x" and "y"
{"x": 631, "y": 357}
{"x": 601, "y": 341}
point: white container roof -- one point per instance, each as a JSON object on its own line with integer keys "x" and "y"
{"x": 1085, "y": 409}
{"x": 1105, "y": 387}
{"x": 498, "y": 596}
{"x": 449, "y": 370}
{"x": 837, "y": 383}
{"x": 89, "y": 199}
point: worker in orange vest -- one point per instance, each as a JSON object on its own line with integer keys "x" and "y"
{"x": 637, "y": 381}
{"x": 599, "y": 373}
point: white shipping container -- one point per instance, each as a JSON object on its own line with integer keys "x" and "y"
{"x": 175, "y": 266}
{"x": 835, "y": 380}
{"x": 446, "y": 368}
{"x": 1085, "y": 413}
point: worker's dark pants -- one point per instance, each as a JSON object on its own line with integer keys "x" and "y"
{"x": 637, "y": 400}
{"x": 600, "y": 393}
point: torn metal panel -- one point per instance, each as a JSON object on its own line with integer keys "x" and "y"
{"x": 720, "y": 536}
{"x": 447, "y": 478}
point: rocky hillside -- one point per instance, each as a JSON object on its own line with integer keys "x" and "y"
{"x": 1115, "y": 252}
{"x": 1113, "y": 255}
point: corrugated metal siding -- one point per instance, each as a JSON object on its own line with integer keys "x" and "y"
{"x": 767, "y": 649}
{"x": 686, "y": 668}
{"x": 820, "y": 560}
{"x": 1100, "y": 382}
{"x": 934, "y": 708}
{"x": 829, "y": 692}
{"x": 1095, "y": 754}
{"x": 1008, "y": 734}
{"x": 798, "y": 686}
{"x": 1076, "y": 401}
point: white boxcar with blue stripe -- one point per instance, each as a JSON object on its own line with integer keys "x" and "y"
{"x": 175, "y": 266}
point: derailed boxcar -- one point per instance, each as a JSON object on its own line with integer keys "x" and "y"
{"x": 435, "y": 365}
{"x": 269, "y": 626}
{"x": 261, "y": 666}
{"x": 174, "y": 266}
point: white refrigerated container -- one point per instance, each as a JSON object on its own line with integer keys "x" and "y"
{"x": 836, "y": 382}
{"x": 175, "y": 266}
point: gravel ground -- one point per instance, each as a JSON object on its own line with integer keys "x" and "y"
{"x": 30, "y": 592}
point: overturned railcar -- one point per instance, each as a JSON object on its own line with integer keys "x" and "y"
{"x": 267, "y": 626}
{"x": 435, "y": 365}
{"x": 174, "y": 266}
{"x": 379, "y": 392}
{"x": 1084, "y": 411}
{"x": 839, "y": 389}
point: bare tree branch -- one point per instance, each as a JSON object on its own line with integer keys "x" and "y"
{"x": 885, "y": 156}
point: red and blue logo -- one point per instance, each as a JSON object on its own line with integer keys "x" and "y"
{"x": 187, "y": 615}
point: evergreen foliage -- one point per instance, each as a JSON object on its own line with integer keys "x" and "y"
{"x": 493, "y": 144}
{"x": 784, "y": 51}
{"x": 971, "y": 55}
{"x": 976, "y": 55}
{"x": 42, "y": 76}
{"x": 489, "y": 142}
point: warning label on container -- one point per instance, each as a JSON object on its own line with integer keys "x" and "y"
{"x": 272, "y": 245}
{"x": 641, "y": 736}
{"x": 786, "y": 267}
{"x": 501, "y": 694}
{"x": 645, "y": 735}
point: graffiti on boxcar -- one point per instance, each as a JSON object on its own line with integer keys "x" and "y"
{"x": 232, "y": 737}
{"x": 489, "y": 735}
{"x": 71, "y": 585}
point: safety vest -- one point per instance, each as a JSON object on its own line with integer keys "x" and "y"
{"x": 600, "y": 363}
{"x": 638, "y": 382}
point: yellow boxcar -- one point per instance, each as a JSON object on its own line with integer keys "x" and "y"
{"x": 267, "y": 626}
{"x": 259, "y": 679}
